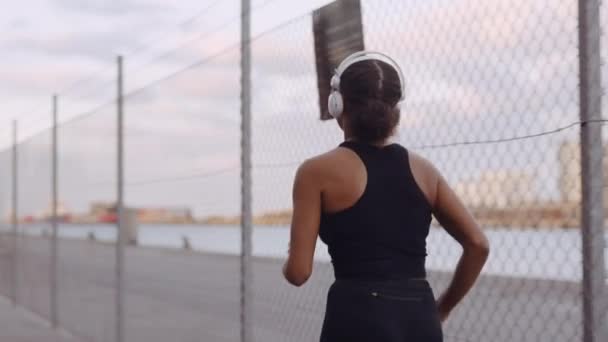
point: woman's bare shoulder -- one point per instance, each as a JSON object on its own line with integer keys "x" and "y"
{"x": 328, "y": 159}
{"x": 426, "y": 175}
{"x": 328, "y": 165}
{"x": 422, "y": 163}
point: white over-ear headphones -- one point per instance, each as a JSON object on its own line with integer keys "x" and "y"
{"x": 335, "y": 103}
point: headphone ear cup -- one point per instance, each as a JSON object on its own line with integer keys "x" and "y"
{"x": 335, "y": 105}
{"x": 335, "y": 82}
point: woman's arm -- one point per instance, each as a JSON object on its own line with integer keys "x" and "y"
{"x": 460, "y": 224}
{"x": 304, "y": 224}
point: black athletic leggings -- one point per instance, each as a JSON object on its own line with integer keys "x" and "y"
{"x": 381, "y": 311}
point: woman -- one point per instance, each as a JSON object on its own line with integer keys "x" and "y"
{"x": 371, "y": 202}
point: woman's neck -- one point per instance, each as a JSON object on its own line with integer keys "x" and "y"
{"x": 348, "y": 136}
{"x": 379, "y": 143}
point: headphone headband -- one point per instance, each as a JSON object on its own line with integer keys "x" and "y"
{"x": 368, "y": 55}
{"x": 335, "y": 103}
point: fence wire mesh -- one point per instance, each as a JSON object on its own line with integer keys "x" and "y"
{"x": 182, "y": 175}
{"x": 604, "y": 99}
{"x": 604, "y": 55}
{"x": 492, "y": 101}
{"x": 285, "y": 131}
{"x": 87, "y": 229}
{"x": 7, "y": 247}
{"x": 481, "y": 74}
{"x": 33, "y": 243}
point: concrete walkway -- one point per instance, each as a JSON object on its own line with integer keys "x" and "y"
{"x": 18, "y": 325}
{"x": 178, "y": 296}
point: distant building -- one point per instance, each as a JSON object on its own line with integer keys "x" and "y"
{"x": 498, "y": 189}
{"x": 102, "y": 208}
{"x": 106, "y": 212}
{"x": 8, "y": 217}
{"x": 63, "y": 214}
{"x": 165, "y": 215}
{"x": 102, "y": 212}
{"x": 570, "y": 172}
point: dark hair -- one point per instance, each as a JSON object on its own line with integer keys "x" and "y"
{"x": 371, "y": 90}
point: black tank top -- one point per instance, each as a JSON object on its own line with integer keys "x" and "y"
{"x": 383, "y": 235}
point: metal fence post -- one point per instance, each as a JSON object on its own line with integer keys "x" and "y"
{"x": 246, "y": 272}
{"x": 14, "y": 217}
{"x": 594, "y": 300}
{"x": 120, "y": 236}
{"x": 54, "y": 264}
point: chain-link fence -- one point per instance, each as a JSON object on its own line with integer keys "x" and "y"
{"x": 7, "y": 247}
{"x": 33, "y": 246}
{"x": 86, "y": 194}
{"x": 492, "y": 101}
{"x": 183, "y": 168}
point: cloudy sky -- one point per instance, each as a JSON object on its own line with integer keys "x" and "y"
{"x": 475, "y": 70}
{"x": 48, "y": 45}
{"x": 69, "y": 47}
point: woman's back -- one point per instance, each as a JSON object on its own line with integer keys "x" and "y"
{"x": 376, "y": 217}
{"x": 371, "y": 203}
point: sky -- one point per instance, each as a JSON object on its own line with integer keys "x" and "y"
{"x": 51, "y": 44}
{"x": 475, "y": 70}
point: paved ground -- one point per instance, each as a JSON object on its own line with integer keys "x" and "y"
{"x": 18, "y": 325}
{"x": 191, "y": 297}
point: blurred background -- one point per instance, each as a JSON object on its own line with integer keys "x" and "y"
{"x": 186, "y": 149}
